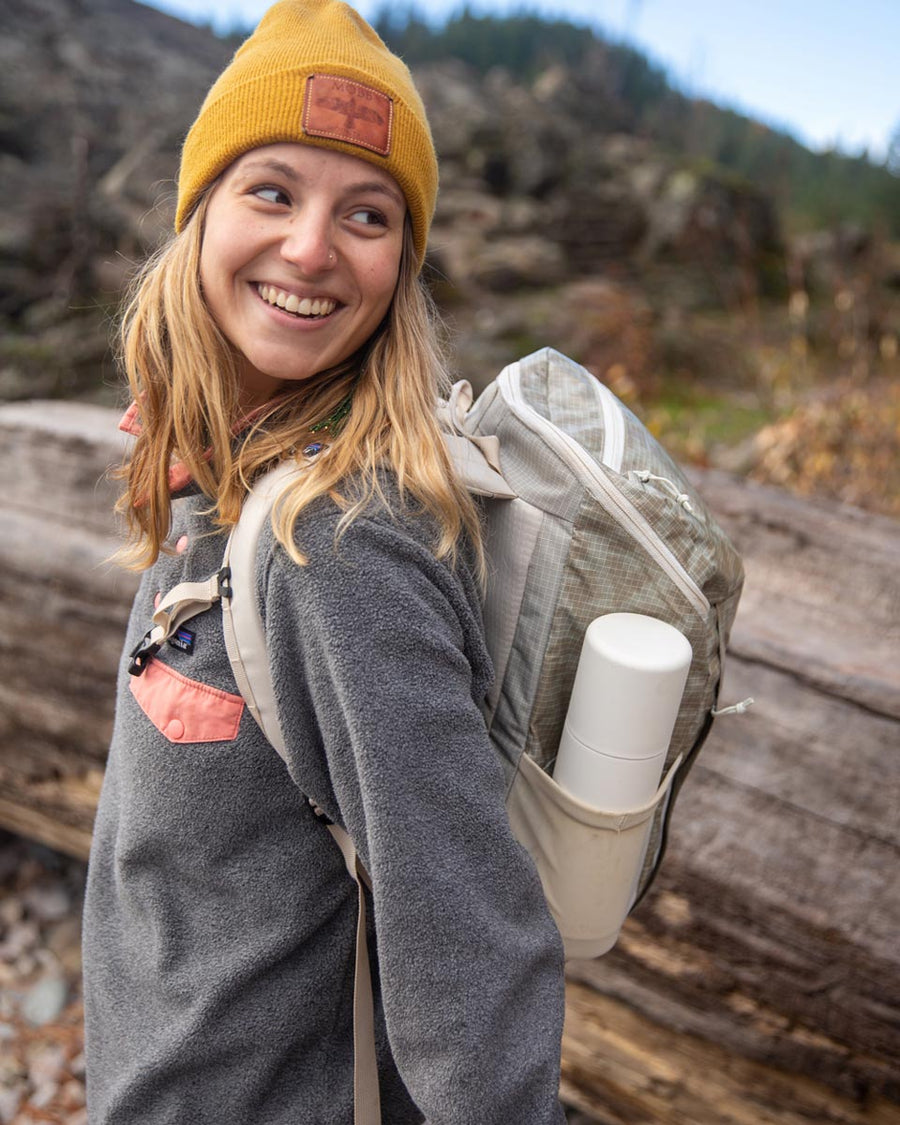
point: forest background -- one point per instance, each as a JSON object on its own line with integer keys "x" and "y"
{"x": 739, "y": 291}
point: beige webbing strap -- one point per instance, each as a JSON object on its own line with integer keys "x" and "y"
{"x": 181, "y": 603}
{"x": 366, "y": 1098}
{"x": 245, "y": 636}
{"x": 184, "y": 601}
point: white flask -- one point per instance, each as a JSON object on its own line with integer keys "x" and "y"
{"x": 628, "y": 688}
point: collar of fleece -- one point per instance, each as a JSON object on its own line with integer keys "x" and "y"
{"x": 179, "y": 476}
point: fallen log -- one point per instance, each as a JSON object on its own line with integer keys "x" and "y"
{"x": 621, "y": 1067}
{"x": 759, "y": 980}
{"x": 63, "y": 609}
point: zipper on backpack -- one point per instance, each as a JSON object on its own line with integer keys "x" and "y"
{"x": 621, "y": 509}
{"x": 613, "y": 424}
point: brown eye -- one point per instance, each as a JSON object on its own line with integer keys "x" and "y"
{"x": 369, "y": 217}
{"x": 270, "y": 194}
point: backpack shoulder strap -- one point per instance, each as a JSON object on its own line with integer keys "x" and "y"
{"x": 476, "y": 457}
{"x": 245, "y": 638}
{"x": 245, "y": 641}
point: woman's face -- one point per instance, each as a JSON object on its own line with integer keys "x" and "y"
{"x": 300, "y": 258}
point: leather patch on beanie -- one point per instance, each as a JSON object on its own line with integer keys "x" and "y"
{"x": 348, "y": 111}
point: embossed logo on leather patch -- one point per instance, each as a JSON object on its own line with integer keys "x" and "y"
{"x": 348, "y": 111}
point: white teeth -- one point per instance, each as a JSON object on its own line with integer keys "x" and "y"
{"x": 290, "y": 302}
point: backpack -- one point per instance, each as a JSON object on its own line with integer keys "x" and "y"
{"x": 602, "y": 521}
{"x": 585, "y": 514}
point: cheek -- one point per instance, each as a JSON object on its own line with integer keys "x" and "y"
{"x": 213, "y": 277}
{"x": 383, "y": 282}
{"x": 387, "y": 295}
{"x": 207, "y": 273}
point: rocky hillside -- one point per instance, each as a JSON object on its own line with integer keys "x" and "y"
{"x": 559, "y": 222}
{"x": 95, "y": 96}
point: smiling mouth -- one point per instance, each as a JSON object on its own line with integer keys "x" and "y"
{"x": 310, "y": 308}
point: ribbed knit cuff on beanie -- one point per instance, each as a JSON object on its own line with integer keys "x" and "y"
{"x": 314, "y": 71}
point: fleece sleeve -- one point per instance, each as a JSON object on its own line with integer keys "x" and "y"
{"x": 377, "y": 639}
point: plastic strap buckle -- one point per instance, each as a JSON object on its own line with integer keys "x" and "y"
{"x": 142, "y": 654}
{"x": 223, "y": 579}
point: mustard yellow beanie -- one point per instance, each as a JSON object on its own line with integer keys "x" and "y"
{"x": 314, "y": 71}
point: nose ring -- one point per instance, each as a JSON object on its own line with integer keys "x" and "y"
{"x": 332, "y": 257}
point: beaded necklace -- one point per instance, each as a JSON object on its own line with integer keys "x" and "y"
{"x": 331, "y": 425}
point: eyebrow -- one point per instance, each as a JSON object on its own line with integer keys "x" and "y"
{"x": 377, "y": 185}
{"x": 290, "y": 173}
{"x": 269, "y": 166}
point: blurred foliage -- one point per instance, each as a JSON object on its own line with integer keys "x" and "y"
{"x": 772, "y": 398}
{"x": 843, "y": 445}
{"x": 524, "y": 43}
{"x": 630, "y": 93}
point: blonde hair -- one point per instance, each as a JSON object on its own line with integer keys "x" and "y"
{"x": 183, "y": 374}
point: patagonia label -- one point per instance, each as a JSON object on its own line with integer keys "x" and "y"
{"x": 348, "y": 111}
{"x": 183, "y": 639}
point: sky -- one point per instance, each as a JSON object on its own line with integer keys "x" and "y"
{"x": 825, "y": 70}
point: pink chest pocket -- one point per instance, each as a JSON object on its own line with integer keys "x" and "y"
{"x": 185, "y": 710}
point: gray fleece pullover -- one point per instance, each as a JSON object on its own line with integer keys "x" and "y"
{"x": 220, "y": 921}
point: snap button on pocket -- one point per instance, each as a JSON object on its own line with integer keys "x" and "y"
{"x": 174, "y": 730}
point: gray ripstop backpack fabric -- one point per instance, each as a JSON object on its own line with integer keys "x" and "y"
{"x": 603, "y": 521}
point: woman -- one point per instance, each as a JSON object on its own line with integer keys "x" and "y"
{"x": 286, "y": 320}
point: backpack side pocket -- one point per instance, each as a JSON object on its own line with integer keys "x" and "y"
{"x": 589, "y": 860}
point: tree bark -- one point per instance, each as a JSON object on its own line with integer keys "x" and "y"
{"x": 63, "y": 609}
